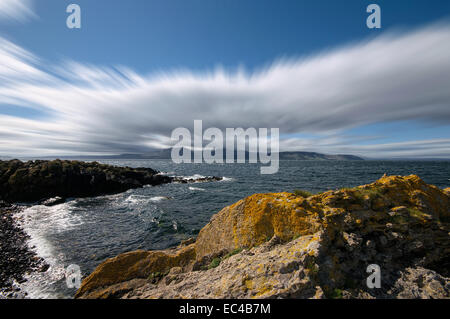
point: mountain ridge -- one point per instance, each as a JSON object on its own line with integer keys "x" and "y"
{"x": 166, "y": 154}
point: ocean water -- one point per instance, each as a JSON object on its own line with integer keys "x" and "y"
{"x": 87, "y": 231}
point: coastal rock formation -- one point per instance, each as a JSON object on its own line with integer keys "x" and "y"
{"x": 50, "y": 182}
{"x": 291, "y": 246}
{"x": 137, "y": 264}
{"x": 34, "y": 181}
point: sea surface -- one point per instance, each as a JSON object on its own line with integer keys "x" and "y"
{"x": 87, "y": 231}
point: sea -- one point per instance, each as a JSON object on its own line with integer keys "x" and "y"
{"x": 86, "y": 231}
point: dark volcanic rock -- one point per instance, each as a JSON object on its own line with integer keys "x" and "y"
{"x": 53, "y": 201}
{"x": 39, "y": 180}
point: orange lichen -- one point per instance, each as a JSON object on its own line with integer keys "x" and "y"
{"x": 137, "y": 264}
{"x": 258, "y": 218}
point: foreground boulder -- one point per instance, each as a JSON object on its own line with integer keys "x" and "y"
{"x": 40, "y": 180}
{"x": 289, "y": 246}
{"x": 134, "y": 265}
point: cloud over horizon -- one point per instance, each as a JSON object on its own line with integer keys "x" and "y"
{"x": 89, "y": 109}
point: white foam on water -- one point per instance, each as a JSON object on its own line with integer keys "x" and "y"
{"x": 40, "y": 285}
{"x": 158, "y": 198}
{"x": 196, "y": 189}
{"x": 55, "y": 219}
{"x": 193, "y": 177}
{"x": 227, "y": 179}
{"x": 136, "y": 200}
{"x": 166, "y": 173}
{"x": 39, "y": 222}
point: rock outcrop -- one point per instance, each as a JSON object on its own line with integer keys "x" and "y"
{"x": 288, "y": 246}
{"x": 134, "y": 265}
{"x": 50, "y": 182}
{"x": 34, "y": 181}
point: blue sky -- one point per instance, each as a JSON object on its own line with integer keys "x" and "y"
{"x": 216, "y": 58}
{"x": 200, "y": 34}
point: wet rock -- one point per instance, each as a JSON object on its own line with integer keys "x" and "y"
{"x": 53, "y": 201}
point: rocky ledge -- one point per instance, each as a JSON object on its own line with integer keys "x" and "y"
{"x": 50, "y": 183}
{"x": 39, "y": 181}
{"x": 291, "y": 246}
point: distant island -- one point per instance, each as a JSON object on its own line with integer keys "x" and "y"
{"x": 318, "y": 156}
{"x": 166, "y": 154}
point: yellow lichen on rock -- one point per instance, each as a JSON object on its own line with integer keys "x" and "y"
{"x": 254, "y": 220}
{"x": 257, "y": 218}
{"x": 447, "y": 191}
{"x": 294, "y": 246}
{"x": 261, "y": 272}
{"x": 132, "y": 265}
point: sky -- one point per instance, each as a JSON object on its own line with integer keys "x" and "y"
{"x": 136, "y": 70}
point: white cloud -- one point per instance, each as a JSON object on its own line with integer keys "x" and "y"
{"x": 16, "y": 10}
{"x": 92, "y": 108}
{"x": 426, "y": 149}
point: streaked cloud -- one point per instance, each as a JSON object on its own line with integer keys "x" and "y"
{"x": 16, "y": 10}
{"x": 98, "y": 109}
{"x": 438, "y": 148}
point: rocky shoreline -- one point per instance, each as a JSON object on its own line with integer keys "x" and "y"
{"x": 299, "y": 245}
{"x": 38, "y": 181}
{"x": 51, "y": 183}
{"x": 16, "y": 258}
{"x": 283, "y": 245}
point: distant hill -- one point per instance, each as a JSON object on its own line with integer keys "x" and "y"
{"x": 317, "y": 156}
{"x": 166, "y": 154}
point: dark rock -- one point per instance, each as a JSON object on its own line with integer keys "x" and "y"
{"x": 37, "y": 181}
{"x": 49, "y": 183}
{"x": 44, "y": 268}
{"x": 53, "y": 201}
{"x": 4, "y": 204}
